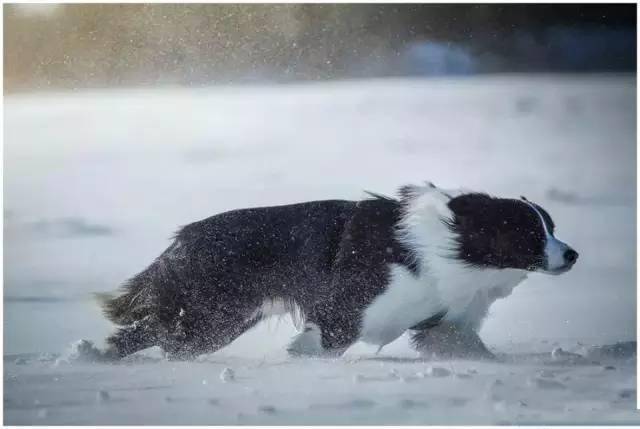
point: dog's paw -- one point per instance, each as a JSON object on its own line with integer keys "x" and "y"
{"x": 307, "y": 343}
{"x": 438, "y": 353}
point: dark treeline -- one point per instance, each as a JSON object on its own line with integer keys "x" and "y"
{"x": 96, "y": 45}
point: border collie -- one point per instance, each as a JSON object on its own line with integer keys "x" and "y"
{"x": 430, "y": 261}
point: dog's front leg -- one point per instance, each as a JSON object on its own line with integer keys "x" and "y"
{"x": 327, "y": 333}
{"x": 449, "y": 340}
{"x": 309, "y": 343}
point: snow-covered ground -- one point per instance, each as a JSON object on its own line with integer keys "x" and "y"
{"x": 95, "y": 183}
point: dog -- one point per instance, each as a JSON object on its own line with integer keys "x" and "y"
{"x": 429, "y": 261}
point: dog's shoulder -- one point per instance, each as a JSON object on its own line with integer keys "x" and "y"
{"x": 370, "y": 240}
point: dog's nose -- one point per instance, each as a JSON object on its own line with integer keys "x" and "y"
{"x": 571, "y": 256}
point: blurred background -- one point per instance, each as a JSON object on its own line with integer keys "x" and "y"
{"x": 124, "y": 121}
{"x": 75, "y": 46}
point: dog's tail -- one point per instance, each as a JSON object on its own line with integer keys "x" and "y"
{"x": 130, "y": 305}
{"x": 115, "y": 308}
{"x": 135, "y": 310}
{"x": 141, "y": 295}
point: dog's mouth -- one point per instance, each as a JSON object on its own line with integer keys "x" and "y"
{"x": 555, "y": 271}
{"x": 558, "y": 271}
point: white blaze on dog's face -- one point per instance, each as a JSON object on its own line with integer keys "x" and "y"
{"x": 506, "y": 233}
{"x": 560, "y": 257}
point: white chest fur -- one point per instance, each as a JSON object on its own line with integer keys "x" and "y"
{"x": 405, "y": 303}
{"x": 409, "y": 299}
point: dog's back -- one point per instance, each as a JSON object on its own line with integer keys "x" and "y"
{"x": 221, "y": 269}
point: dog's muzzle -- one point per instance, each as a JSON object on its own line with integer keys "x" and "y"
{"x": 560, "y": 257}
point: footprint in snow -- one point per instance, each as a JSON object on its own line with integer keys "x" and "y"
{"x": 410, "y": 403}
{"x": 438, "y": 371}
{"x": 267, "y": 409}
{"x": 102, "y": 396}
{"x": 545, "y": 383}
{"x": 627, "y": 393}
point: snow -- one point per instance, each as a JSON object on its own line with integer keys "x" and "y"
{"x": 279, "y": 390}
{"x": 96, "y": 182}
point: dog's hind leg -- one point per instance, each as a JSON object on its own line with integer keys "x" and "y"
{"x": 129, "y": 339}
{"x": 189, "y": 340}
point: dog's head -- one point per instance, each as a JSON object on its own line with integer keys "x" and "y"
{"x": 507, "y": 233}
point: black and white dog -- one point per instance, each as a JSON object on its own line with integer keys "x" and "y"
{"x": 430, "y": 261}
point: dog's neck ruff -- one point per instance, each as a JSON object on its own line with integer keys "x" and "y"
{"x": 459, "y": 286}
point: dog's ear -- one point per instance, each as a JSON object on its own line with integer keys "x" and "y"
{"x": 408, "y": 192}
{"x": 431, "y": 186}
{"x": 467, "y": 204}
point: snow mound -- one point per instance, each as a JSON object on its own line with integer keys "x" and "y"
{"x": 81, "y": 351}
